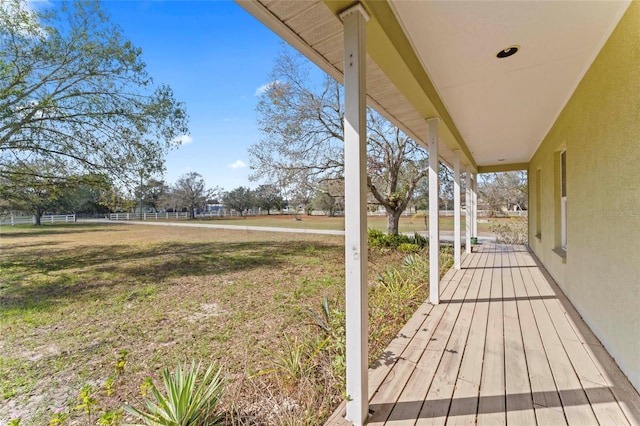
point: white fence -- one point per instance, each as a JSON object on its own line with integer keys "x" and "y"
{"x": 148, "y": 216}
{"x": 50, "y": 218}
{"x": 236, "y": 213}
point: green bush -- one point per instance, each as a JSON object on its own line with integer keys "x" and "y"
{"x": 409, "y": 247}
{"x": 420, "y": 240}
{"x": 378, "y": 239}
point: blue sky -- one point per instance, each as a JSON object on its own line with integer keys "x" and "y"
{"x": 215, "y": 56}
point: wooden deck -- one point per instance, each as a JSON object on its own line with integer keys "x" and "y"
{"x": 504, "y": 346}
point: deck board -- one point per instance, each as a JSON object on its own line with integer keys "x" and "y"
{"x": 574, "y": 400}
{"x": 492, "y": 405}
{"x": 504, "y": 346}
{"x": 387, "y": 394}
{"x": 546, "y": 401}
{"x": 414, "y": 390}
{"x": 519, "y": 398}
{"x": 602, "y": 400}
{"x": 464, "y": 405}
{"x": 436, "y": 404}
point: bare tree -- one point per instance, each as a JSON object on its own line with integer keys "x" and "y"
{"x": 504, "y": 191}
{"x": 396, "y": 164}
{"x": 302, "y": 123}
{"x": 191, "y": 191}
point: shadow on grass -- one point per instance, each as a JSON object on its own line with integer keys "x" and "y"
{"x": 25, "y": 231}
{"x": 38, "y": 279}
{"x": 28, "y": 245}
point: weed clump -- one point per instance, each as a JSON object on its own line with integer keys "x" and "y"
{"x": 515, "y": 231}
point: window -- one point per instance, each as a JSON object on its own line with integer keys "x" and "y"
{"x": 539, "y": 203}
{"x": 563, "y": 199}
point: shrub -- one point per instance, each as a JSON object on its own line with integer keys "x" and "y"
{"x": 409, "y": 247}
{"x": 378, "y": 239}
{"x": 416, "y": 267}
{"x": 420, "y": 241}
{"x": 514, "y": 231}
{"x": 186, "y": 402}
{"x": 398, "y": 285}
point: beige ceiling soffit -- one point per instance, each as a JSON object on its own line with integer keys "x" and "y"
{"x": 497, "y": 168}
{"x": 261, "y": 12}
{"x": 264, "y": 15}
{"x": 391, "y": 50}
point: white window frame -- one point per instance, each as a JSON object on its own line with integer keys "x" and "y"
{"x": 563, "y": 199}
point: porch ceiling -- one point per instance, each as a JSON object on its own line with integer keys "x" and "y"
{"x": 438, "y": 58}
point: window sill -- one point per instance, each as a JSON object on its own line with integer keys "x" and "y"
{"x": 539, "y": 237}
{"x": 561, "y": 252}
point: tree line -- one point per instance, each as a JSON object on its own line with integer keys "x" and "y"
{"x": 97, "y": 195}
{"x": 83, "y": 127}
{"x": 78, "y": 110}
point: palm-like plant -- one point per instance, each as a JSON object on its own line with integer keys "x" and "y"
{"x": 189, "y": 401}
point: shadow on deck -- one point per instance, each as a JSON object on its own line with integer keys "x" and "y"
{"x": 504, "y": 346}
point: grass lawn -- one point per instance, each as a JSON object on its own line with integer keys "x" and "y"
{"x": 106, "y": 306}
{"x": 407, "y": 223}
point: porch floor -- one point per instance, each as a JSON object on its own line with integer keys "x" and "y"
{"x": 504, "y": 346}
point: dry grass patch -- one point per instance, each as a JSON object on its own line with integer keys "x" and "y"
{"x": 106, "y": 307}
{"x": 408, "y": 224}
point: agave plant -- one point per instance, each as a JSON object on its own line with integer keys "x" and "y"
{"x": 189, "y": 401}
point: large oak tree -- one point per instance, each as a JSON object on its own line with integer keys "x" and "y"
{"x": 303, "y": 127}
{"x": 75, "y": 93}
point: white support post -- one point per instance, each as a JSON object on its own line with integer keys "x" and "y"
{"x": 474, "y": 218}
{"x": 469, "y": 211}
{"x": 434, "y": 211}
{"x": 457, "y": 244}
{"x": 355, "y": 178}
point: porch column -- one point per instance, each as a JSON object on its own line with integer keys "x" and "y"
{"x": 434, "y": 212}
{"x": 456, "y": 209}
{"x": 355, "y": 152}
{"x": 469, "y": 211}
{"x": 474, "y": 219}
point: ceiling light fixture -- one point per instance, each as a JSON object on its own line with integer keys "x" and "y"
{"x": 509, "y": 51}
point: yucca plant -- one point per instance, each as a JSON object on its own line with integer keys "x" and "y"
{"x": 189, "y": 401}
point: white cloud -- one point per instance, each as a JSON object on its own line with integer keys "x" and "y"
{"x": 38, "y": 4}
{"x": 262, "y": 89}
{"x": 26, "y": 14}
{"x": 184, "y": 139}
{"x": 239, "y": 164}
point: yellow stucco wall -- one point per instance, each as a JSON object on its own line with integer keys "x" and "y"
{"x": 600, "y": 128}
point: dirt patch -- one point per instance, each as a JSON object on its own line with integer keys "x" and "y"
{"x": 207, "y": 310}
{"x": 117, "y": 304}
